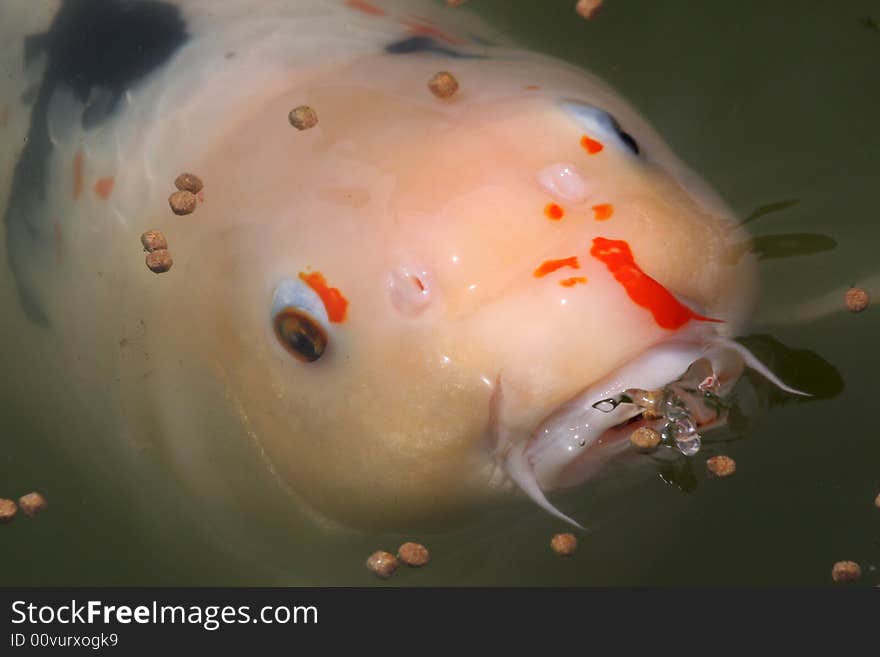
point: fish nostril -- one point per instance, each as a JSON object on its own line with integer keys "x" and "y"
{"x": 564, "y": 181}
{"x": 409, "y": 290}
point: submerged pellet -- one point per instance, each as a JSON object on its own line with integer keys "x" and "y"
{"x": 564, "y": 544}
{"x": 589, "y": 9}
{"x": 721, "y": 466}
{"x": 8, "y": 509}
{"x": 159, "y": 261}
{"x": 413, "y": 554}
{"x": 182, "y": 202}
{"x": 856, "y": 299}
{"x": 32, "y": 504}
{"x": 846, "y": 571}
{"x": 443, "y": 84}
{"x": 154, "y": 240}
{"x": 382, "y": 563}
{"x": 188, "y": 182}
{"x": 303, "y": 117}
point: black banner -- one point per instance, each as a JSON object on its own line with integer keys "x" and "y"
{"x": 132, "y": 621}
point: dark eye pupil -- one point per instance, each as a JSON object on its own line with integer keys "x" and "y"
{"x": 300, "y": 334}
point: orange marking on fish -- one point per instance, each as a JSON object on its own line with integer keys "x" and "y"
{"x": 668, "y": 312}
{"x": 104, "y": 187}
{"x": 603, "y": 211}
{"x": 365, "y": 7}
{"x": 531, "y": 87}
{"x": 549, "y": 266}
{"x": 420, "y": 27}
{"x": 334, "y": 302}
{"x": 591, "y": 145}
{"x": 574, "y": 280}
{"x": 78, "y": 174}
{"x": 554, "y": 211}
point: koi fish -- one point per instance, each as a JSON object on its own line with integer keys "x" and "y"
{"x": 400, "y": 310}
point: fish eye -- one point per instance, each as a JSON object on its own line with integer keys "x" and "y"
{"x": 300, "y": 333}
{"x": 299, "y": 320}
{"x": 599, "y": 121}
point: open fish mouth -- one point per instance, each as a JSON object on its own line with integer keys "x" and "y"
{"x": 678, "y": 387}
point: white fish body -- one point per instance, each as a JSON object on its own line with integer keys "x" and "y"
{"x": 428, "y": 215}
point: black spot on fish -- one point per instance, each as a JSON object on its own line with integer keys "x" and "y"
{"x": 96, "y": 49}
{"x": 426, "y": 44}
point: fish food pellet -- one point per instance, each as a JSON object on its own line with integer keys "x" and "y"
{"x": 443, "y": 84}
{"x": 159, "y": 261}
{"x": 382, "y": 563}
{"x": 589, "y": 9}
{"x": 721, "y": 466}
{"x": 846, "y": 571}
{"x": 182, "y": 202}
{"x": 645, "y": 438}
{"x": 188, "y": 182}
{"x": 413, "y": 554}
{"x": 856, "y": 299}
{"x": 32, "y": 504}
{"x": 7, "y": 511}
{"x": 303, "y": 117}
{"x": 153, "y": 240}
{"x": 564, "y": 544}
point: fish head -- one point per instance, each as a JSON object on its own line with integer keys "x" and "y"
{"x": 374, "y": 283}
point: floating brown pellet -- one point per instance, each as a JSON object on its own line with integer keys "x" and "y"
{"x": 413, "y": 554}
{"x": 182, "y": 202}
{"x": 153, "y": 240}
{"x": 382, "y": 563}
{"x": 564, "y": 544}
{"x": 645, "y": 438}
{"x": 32, "y": 504}
{"x": 589, "y": 9}
{"x": 7, "y": 511}
{"x": 159, "y": 261}
{"x": 189, "y": 182}
{"x": 303, "y": 117}
{"x": 846, "y": 571}
{"x": 721, "y": 466}
{"x": 856, "y": 299}
{"x": 443, "y": 84}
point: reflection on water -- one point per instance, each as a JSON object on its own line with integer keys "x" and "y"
{"x": 767, "y": 104}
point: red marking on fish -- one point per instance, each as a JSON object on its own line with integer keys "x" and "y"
{"x": 668, "y": 312}
{"x": 574, "y": 280}
{"x": 554, "y": 211}
{"x": 78, "y": 174}
{"x": 603, "y": 211}
{"x": 591, "y": 145}
{"x": 365, "y": 7}
{"x": 104, "y": 187}
{"x": 549, "y": 266}
{"x": 332, "y": 298}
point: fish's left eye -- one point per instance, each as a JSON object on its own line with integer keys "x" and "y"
{"x": 600, "y": 122}
{"x": 299, "y": 320}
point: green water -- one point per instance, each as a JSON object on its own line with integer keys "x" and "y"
{"x": 768, "y": 101}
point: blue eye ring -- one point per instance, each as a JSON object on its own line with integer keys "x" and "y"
{"x": 599, "y": 121}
